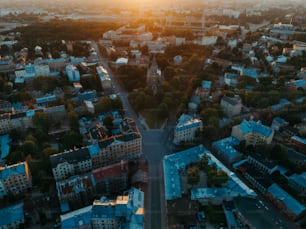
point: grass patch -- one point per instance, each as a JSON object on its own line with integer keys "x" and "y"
{"x": 152, "y": 119}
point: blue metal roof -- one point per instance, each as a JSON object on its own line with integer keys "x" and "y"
{"x": 16, "y": 169}
{"x": 46, "y": 99}
{"x": 172, "y": 163}
{"x": 249, "y": 72}
{"x": 252, "y": 126}
{"x": 299, "y": 139}
{"x": 187, "y": 122}
{"x": 299, "y": 179}
{"x": 225, "y": 146}
{"x": 282, "y": 103}
{"x": 11, "y": 214}
{"x": 4, "y": 145}
{"x": 93, "y": 149}
{"x": 292, "y": 204}
{"x": 77, "y": 218}
{"x": 206, "y": 84}
{"x": 299, "y": 83}
{"x": 280, "y": 120}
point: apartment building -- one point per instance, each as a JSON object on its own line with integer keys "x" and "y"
{"x": 186, "y": 129}
{"x": 253, "y": 132}
{"x": 72, "y": 162}
{"x": 15, "y": 178}
{"x": 123, "y": 146}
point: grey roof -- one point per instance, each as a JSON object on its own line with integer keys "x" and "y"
{"x": 72, "y": 157}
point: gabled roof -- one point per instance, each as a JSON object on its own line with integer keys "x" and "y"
{"x": 292, "y": 204}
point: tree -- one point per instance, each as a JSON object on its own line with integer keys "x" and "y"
{"x": 72, "y": 139}
{"x": 42, "y": 120}
{"x": 203, "y": 163}
{"x": 108, "y": 122}
{"x": 193, "y": 176}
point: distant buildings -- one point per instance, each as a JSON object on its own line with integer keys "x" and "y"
{"x": 253, "y": 132}
{"x": 187, "y": 129}
{"x": 104, "y": 78}
{"x": 15, "y": 179}
{"x": 73, "y": 73}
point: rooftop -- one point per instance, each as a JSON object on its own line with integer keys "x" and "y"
{"x": 111, "y": 171}
{"x": 292, "y": 204}
{"x": 11, "y": 214}
{"x": 15, "y": 169}
{"x": 4, "y": 145}
{"x": 225, "y": 145}
{"x": 71, "y": 157}
{"x": 299, "y": 179}
{"x": 252, "y": 126}
{"x": 186, "y": 122}
{"x": 206, "y": 84}
{"x": 77, "y": 218}
{"x": 172, "y": 163}
{"x": 299, "y": 139}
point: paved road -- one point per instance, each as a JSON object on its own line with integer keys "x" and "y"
{"x": 155, "y": 145}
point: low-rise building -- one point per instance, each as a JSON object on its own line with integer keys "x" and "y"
{"x": 12, "y": 216}
{"x": 204, "y": 91}
{"x": 15, "y": 178}
{"x": 253, "y": 132}
{"x": 225, "y": 148}
{"x": 231, "y": 105}
{"x": 187, "y": 129}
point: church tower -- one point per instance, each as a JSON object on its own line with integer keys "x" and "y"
{"x": 154, "y": 76}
